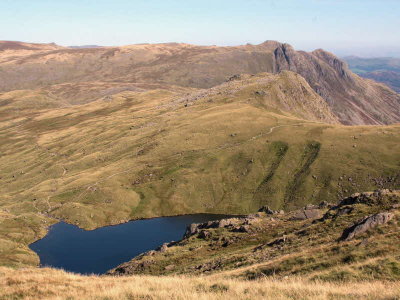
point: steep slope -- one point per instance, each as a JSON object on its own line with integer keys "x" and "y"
{"x": 352, "y": 240}
{"x": 229, "y": 149}
{"x": 353, "y": 99}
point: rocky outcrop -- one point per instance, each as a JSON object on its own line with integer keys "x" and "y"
{"x": 366, "y": 224}
{"x": 378, "y": 197}
{"x": 266, "y": 209}
{"x": 193, "y": 229}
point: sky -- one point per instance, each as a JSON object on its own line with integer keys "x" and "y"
{"x": 346, "y": 27}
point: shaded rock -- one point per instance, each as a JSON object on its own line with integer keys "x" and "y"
{"x": 204, "y": 234}
{"x": 260, "y": 93}
{"x": 235, "y": 77}
{"x": 279, "y": 241}
{"x": 366, "y": 224}
{"x": 267, "y": 210}
{"x": 325, "y": 204}
{"x": 243, "y": 228}
{"x": 344, "y": 210}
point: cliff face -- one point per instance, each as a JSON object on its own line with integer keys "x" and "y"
{"x": 353, "y": 100}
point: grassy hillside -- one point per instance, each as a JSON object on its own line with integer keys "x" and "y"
{"x": 55, "y": 284}
{"x": 230, "y": 149}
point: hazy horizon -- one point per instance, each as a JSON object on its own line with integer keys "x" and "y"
{"x": 354, "y": 27}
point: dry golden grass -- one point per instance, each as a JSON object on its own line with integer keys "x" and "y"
{"x": 56, "y": 284}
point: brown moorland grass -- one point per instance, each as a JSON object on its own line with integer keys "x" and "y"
{"x": 34, "y": 283}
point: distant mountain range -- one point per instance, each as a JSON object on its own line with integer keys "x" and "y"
{"x": 351, "y": 98}
{"x": 381, "y": 69}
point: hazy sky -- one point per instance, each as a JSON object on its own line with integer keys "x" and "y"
{"x": 361, "y": 27}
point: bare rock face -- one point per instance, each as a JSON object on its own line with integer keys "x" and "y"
{"x": 366, "y": 224}
{"x": 353, "y": 100}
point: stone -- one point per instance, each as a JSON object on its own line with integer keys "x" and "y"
{"x": 267, "y": 210}
{"x": 169, "y": 267}
{"x": 204, "y": 234}
{"x": 307, "y": 214}
{"x": 243, "y": 228}
{"x": 164, "y": 247}
{"x": 366, "y": 224}
{"x": 191, "y": 230}
{"x": 324, "y": 204}
{"x": 279, "y": 241}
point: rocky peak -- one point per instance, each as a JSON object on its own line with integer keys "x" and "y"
{"x": 333, "y": 61}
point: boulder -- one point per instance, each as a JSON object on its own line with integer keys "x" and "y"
{"x": 279, "y": 241}
{"x": 365, "y": 224}
{"x": 163, "y": 248}
{"x": 204, "y": 234}
{"x": 267, "y": 210}
{"x": 243, "y": 228}
{"x": 191, "y": 230}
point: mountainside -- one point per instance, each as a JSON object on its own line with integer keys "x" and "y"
{"x": 352, "y": 99}
{"x": 251, "y": 141}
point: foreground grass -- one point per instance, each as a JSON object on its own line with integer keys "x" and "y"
{"x": 34, "y": 283}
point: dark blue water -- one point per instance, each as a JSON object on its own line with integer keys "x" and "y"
{"x": 97, "y": 251}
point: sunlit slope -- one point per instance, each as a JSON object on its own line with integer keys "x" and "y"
{"x": 249, "y": 142}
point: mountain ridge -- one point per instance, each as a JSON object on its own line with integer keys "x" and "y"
{"x": 353, "y": 99}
